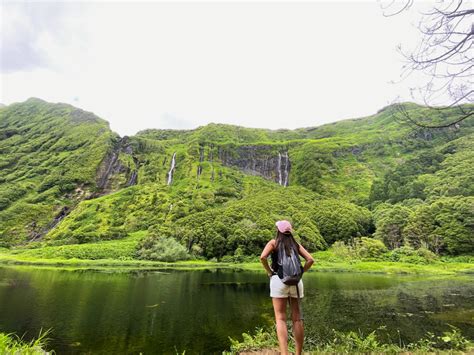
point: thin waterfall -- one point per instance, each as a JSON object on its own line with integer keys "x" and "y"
{"x": 283, "y": 167}
{"x": 211, "y": 156}
{"x": 170, "y": 173}
{"x": 201, "y": 159}
{"x": 201, "y": 154}
{"x": 133, "y": 178}
{"x": 279, "y": 168}
{"x": 134, "y": 175}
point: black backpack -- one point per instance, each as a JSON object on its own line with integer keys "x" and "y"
{"x": 290, "y": 270}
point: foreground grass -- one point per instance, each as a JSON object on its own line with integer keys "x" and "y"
{"x": 450, "y": 342}
{"x": 12, "y": 344}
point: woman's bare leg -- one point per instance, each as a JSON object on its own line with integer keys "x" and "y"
{"x": 298, "y": 329}
{"x": 279, "y": 306}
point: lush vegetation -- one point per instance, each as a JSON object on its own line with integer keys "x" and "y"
{"x": 48, "y": 160}
{"x": 12, "y": 344}
{"x": 442, "y": 226}
{"x": 71, "y": 188}
{"x": 355, "y": 342}
{"x": 124, "y": 254}
{"x": 242, "y": 227}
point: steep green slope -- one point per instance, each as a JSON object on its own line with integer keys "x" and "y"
{"x": 337, "y": 160}
{"x": 217, "y": 189}
{"x": 49, "y": 155}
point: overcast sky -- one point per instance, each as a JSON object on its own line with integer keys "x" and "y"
{"x": 182, "y": 65}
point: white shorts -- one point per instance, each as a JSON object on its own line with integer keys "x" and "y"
{"x": 279, "y": 290}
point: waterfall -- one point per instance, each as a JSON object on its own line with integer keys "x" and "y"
{"x": 134, "y": 175}
{"x": 133, "y": 178}
{"x": 110, "y": 162}
{"x": 201, "y": 154}
{"x": 201, "y": 159}
{"x": 279, "y": 168}
{"x": 283, "y": 167}
{"x": 170, "y": 173}
{"x": 210, "y": 157}
{"x": 58, "y": 218}
{"x": 287, "y": 165}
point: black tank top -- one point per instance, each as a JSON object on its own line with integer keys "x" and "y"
{"x": 275, "y": 260}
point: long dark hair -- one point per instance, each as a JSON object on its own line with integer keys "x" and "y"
{"x": 288, "y": 242}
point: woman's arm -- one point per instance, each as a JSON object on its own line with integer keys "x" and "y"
{"x": 307, "y": 256}
{"x": 265, "y": 253}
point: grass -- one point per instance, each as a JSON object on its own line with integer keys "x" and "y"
{"x": 450, "y": 342}
{"x": 122, "y": 249}
{"x": 58, "y": 257}
{"x": 109, "y": 263}
{"x": 382, "y": 267}
{"x": 121, "y": 254}
{"x": 12, "y": 344}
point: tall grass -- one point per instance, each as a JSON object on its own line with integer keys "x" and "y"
{"x": 12, "y": 344}
{"x": 357, "y": 343}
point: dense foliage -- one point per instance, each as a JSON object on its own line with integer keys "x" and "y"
{"x": 66, "y": 178}
{"x": 445, "y": 225}
{"x": 356, "y": 343}
{"x": 244, "y": 226}
{"x": 48, "y": 159}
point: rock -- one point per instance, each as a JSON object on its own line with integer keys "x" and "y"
{"x": 258, "y": 160}
{"x": 112, "y": 166}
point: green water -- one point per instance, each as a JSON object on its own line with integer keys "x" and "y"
{"x": 196, "y": 311}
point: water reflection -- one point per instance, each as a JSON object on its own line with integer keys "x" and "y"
{"x": 92, "y": 312}
{"x": 405, "y": 308}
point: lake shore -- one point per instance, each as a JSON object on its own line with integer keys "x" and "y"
{"x": 356, "y": 266}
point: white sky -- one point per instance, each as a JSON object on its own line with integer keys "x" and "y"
{"x": 181, "y": 65}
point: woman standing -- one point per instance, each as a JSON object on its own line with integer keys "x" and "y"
{"x": 280, "y": 292}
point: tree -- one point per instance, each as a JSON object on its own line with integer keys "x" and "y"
{"x": 445, "y": 225}
{"x": 390, "y": 221}
{"x": 445, "y": 55}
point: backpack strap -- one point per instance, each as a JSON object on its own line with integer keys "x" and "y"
{"x": 299, "y": 302}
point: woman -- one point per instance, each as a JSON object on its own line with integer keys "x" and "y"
{"x": 279, "y": 292}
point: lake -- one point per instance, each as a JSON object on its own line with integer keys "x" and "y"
{"x": 172, "y": 311}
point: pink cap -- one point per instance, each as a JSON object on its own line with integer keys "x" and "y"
{"x": 283, "y": 226}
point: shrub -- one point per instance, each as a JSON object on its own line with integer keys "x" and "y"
{"x": 342, "y": 250}
{"x": 390, "y": 222}
{"x": 161, "y": 248}
{"x": 369, "y": 247}
{"x": 409, "y": 255}
{"x": 453, "y": 340}
{"x": 261, "y": 339}
{"x": 363, "y": 247}
{"x": 426, "y": 254}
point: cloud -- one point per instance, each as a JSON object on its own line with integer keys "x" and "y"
{"x": 169, "y": 120}
{"x": 27, "y": 31}
{"x": 181, "y": 65}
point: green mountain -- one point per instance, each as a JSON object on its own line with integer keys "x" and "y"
{"x": 66, "y": 178}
